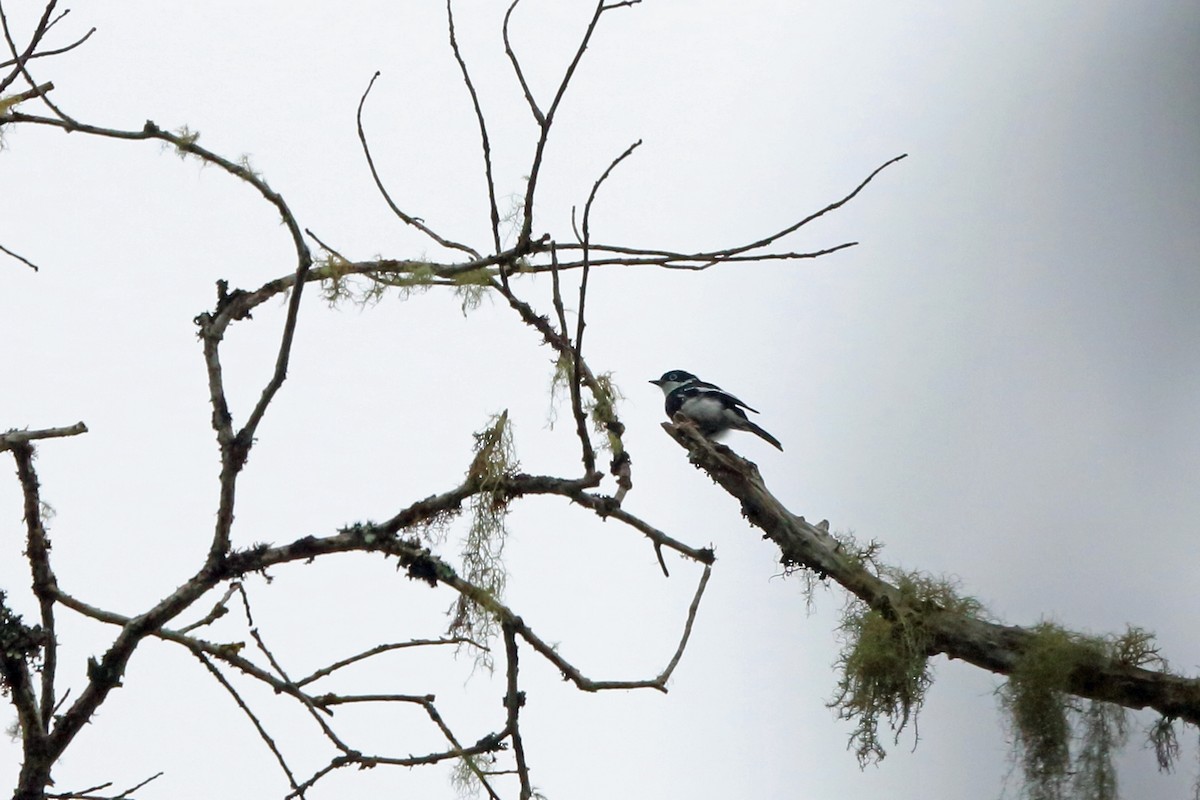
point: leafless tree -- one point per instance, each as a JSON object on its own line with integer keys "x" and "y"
{"x": 898, "y": 620}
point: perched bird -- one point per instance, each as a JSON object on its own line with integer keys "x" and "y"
{"x": 713, "y": 410}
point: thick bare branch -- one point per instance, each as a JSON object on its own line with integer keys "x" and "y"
{"x": 37, "y": 552}
{"x": 13, "y": 438}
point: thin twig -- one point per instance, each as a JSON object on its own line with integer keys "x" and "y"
{"x": 133, "y": 789}
{"x": 20, "y": 62}
{"x": 483, "y": 134}
{"x": 815, "y": 215}
{"x": 219, "y": 609}
{"x": 383, "y": 648}
{"x": 605, "y": 507}
{"x": 589, "y": 456}
{"x": 19, "y": 257}
{"x": 665, "y": 675}
{"x": 35, "y": 38}
{"x": 56, "y": 52}
{"x": 254, "y": 720}
{"x": 479, "y": 774}
{"x": 406, "y": 218}
{"x": 572, "y": 373}
{"x": 516, "y": 65}
{"x": 304, "y": 699}
{"x": 547, "y": 121}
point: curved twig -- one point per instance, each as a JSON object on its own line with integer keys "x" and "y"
{"x": 57, "y": 51}
{"x": 406, "y": 218}
{"x": 516, "y": 65}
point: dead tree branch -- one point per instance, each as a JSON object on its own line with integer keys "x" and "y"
{"x": 988, "y": 645}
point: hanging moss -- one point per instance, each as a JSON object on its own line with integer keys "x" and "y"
{"x": 1103, "y": 731}
{"x": 472, "y": 286}
{"x": 884, "y": 674}
{"x": 483, "y": 549}
{"x": 1047, "y": 720}
{"x": 1161, "y": 736}
{"x": 884, "y": 664}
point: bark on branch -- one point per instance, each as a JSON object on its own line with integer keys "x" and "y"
{"x": 992, "y": 646}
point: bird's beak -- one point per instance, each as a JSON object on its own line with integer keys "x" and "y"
{"x": 657, "y": 383}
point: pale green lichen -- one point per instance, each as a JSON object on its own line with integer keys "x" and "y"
{"x": 598, "y": 402}
{"x": 471, "y": 287}
{"x": 342, "y": 282}
{"x": 601, "y": 407}
{"x": 483, "y": 548}
{"x": 1047, "y": 721}
{"x": 186, "y": 137}
{"x": 884, "y": 664}
{"x": 884, "y": 675}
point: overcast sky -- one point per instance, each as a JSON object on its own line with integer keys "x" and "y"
{"x": 1001, "y": 383}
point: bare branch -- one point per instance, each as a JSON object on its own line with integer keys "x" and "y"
{"x": 572, "y": 373}
{"x": 304, "y": 699}
{"x": 545, "y": 123}
{"x": 551, "y": 654}
{"x": 687, "y": 627}
{"x": 20, "y": 97}
{"x": 37, "y": 551}
{"x": 514, "y": 699}
{"x": 589, "y": 459}
{"x": 219, "y": 609}
{"x": 717, "y": 255}
{"x": 18, "y": 257}
{"x": 135, "y": 787}
{"x": 483, "y": 134}
{"x": 606, "y": 507}
{"x": 19, "y": 61}
{"x": 516, "y": 65}
{"x": 410, "y": 220}
{"x": 55, "y": 52}
{"x": 384, "y": 648}
{"x": 35, "y": 38}
{"x": 13, "y": 437}
{"x": 254, "y": 720}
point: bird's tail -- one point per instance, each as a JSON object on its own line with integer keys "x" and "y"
{"x": 759, "y": 432}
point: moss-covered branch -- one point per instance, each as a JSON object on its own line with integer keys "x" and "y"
{"x": 1115, "y": 674}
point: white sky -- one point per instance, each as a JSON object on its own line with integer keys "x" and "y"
{"x": 1001, "y": 383}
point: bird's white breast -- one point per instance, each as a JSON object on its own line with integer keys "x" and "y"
{"x": 705, "y": 410}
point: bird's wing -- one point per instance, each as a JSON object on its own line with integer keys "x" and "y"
{"x": 724, "y": 396}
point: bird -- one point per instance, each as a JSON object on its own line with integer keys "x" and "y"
{"x": 712, "y": 409}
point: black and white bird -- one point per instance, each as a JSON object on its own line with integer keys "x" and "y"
{"x": 713, "y": 410}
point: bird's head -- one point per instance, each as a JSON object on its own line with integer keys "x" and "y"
{"x": 670, "y": 381}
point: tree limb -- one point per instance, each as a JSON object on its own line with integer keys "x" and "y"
{"x": 988, "y": 645}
